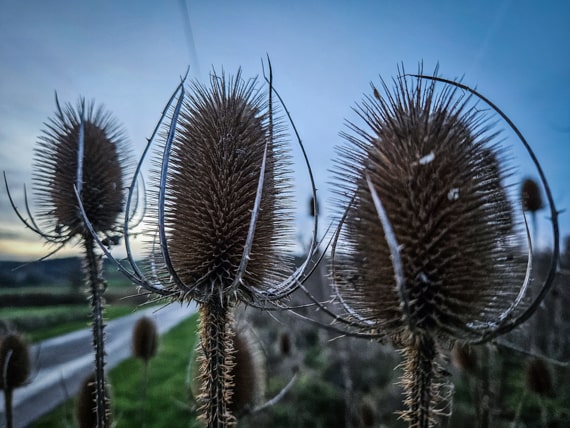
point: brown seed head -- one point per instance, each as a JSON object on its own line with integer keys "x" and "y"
{"x": 249, "y": 375}
{"x": 538, "y": 378}
{"x": 285, "y": 343}
{"x": 56, "y": 170}
{"x": 437, "y": 172}
{"x": 85, "y": 405}
{"x": 464, "y": 357}
{"x": 14, "y": 361}
{"x": 213, "y": 174}
{"x": 145, "y": 339}
{"x": 531, "y": 196}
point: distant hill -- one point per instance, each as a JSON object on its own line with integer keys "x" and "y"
{"x": 60, "y": 271}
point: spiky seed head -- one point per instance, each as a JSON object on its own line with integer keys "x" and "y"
{"x": 14, "y": 361}
{"x": 367, "y": 413}
{"x": 464, "y": 357}
{"x": 438, "y": 173}
{"x": 249, "y": 375}
{"x": 285, "y": 343}
{"x": 213, "y": 174}
{"x": 145, "y": 339}
{"x": 85, "y": 404}
{"x": 105, "y": 163}
{"x": 538, "y": 379}
{"x": 531, "y": 197}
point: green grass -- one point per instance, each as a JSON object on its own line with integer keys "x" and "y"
{"x": 166, "y": 405}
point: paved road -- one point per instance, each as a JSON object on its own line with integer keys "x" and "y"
{"x": 63, "y": 362}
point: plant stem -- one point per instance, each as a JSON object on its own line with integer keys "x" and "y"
{"x": 8, "y": 394}
{"x": 216, "y": 362}
{"x": 95, "y": 284}
{"x": 422, "y": 382}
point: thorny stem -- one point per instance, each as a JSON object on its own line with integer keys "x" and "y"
{"x": 8, "y": 411}
{"x": 95, "y": 284}
{"x": 422, "y": 381}
{"x": 216, "y": 363}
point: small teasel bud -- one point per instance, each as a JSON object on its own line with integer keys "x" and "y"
{"x": 285, "y": 344}
{"x": 531, "y": 196}
{"x": 464, "y": 357}
{"x": 14, "y": 361}
{"x": 367, "y": 413}
{"x": 85, "y": 406}
{"x": 99, "y": 176}
{"x": 14, "y": 370}
{"x": 538, "y": 379}
{"x": 145, "y": 339}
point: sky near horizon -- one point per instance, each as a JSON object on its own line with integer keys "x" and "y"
{"x": 129, "y": 55}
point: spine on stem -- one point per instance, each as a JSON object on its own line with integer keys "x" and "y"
{"x": 423, "y": 382}
{"x": 216, "y": 363}
{"x": 96, "y": 285}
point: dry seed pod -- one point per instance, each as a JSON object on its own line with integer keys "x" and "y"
{"x": 14, "y": 370}
{"x": 210, "y": 188}
{"x": 538, "y": 379}
{"x": 249, "y": 375}
{"x": 464, "y": 357}
{"x": 85, "y": 405}
{"x": 99, "y": 175}
{"x": 14, "y": 362}
{"x": 531, "y": 196}
{"x": 145, "y": 339}
{"x": 285, "y": 343}
{"x": 428, "y": 249}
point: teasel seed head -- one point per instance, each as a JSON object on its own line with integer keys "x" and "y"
{"x": 249, "y": 376}
{"x": 367, "y": 413}
{"x": 538, "y": 379}
{"x": 14, "y": 362}
{"x": 531, "y": 196}
{"x": 285, "y": 344}
{"x": 145, "y": 339}
{"x": 213, "y": 173}
{"x": 85, "y": 404}
{"x": 433, "y": 164}
{"x": 98, "y": 175}
{"x": 464, "y": 357}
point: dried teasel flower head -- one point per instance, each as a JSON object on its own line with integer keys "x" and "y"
{"x": 429, "y": 249}
{"x": 82, "y": 148}
{"x": 219, "y": 210}
{"x": 428, "y": 244}
{"x": 85, "y": 405}
{"x": 464, "y": 357}
{"x": 14, "y": 361}
{"x": 531, "y": 196}
{"x": 222, "y": 199}
{"x": 145, "y": 339}
{"x": 538, "y": 378}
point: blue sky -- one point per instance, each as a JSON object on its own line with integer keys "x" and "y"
{"x": 129, "y": 55}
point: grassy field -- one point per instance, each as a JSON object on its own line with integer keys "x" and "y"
{"x": 166, "y": 404}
